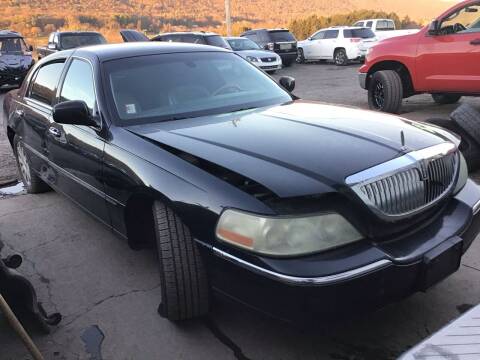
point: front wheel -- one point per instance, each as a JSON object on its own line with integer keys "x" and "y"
{"x": 340, "y": 57}
{"x": 444, "y": 99}
{"x": 385, "y": 91}
{"x": 183, "y": 277}
{"x": 300, "y": 56}
{"x": 31, "y": 181}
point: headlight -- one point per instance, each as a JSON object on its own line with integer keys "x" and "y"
{"x": 462, "y": 174}
{"x": 285, "y": 236}
{"x": 252, "y": 59}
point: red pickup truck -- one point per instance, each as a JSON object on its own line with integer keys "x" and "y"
{"x": 443, "y": 59}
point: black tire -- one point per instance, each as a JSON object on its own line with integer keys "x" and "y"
{"x": 340, "y": 57}
{"x": 385, "y": 91}
{"x": 444, "y": 99}
{"x": 300, "y": 56}
{"x": 183, "y": 277}
{"x": 468, "y": 118}
{"x": 468, "y": 146}
{"x": 31, "y": 181}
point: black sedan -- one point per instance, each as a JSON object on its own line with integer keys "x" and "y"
{"x": 292, "y": 207}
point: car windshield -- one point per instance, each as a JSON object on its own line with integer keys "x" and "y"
{"x": 243, "y": 44}
{"x": 358, "y": 33}
{"x": 217, "y": 40}
{"x": 279, "y": 36}
{"x": 166, "y": 87}
{"x": 79, "y": 40}
{"x": 12, "y": 46}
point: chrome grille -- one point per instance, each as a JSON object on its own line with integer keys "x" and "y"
{"x": 419, "y": 180}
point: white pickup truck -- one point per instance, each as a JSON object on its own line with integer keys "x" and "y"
{"x": 384, "y": 28}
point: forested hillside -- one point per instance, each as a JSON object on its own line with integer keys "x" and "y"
{"x": 36, "y": 18}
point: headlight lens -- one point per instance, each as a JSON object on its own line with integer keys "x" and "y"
{"x": 462, "y": 174}
{"x": 252, "y": 59}
{"x": 285, "y": 236}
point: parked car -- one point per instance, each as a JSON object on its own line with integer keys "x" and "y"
{"x": 65, "y": 40}
{"x": 197, "y": 37}
{"x": 442, "y": 60}
{"x": 251, "y": 51}
{"x": 340, "y": 44}
{"x": 384, "y": 28}
{"x": 293, "y": 207}
{"x": 15, "y": 58}
{"x": 281, "y": 41}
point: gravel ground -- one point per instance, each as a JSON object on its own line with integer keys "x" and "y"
{"x": 8, "y": 166}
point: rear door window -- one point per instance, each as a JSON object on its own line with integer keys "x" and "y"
{"x": 216, "y": 40}
{"x": 358, "y": 33}
{"x": 46, "y": 81}
{"x": 369, "y": 24}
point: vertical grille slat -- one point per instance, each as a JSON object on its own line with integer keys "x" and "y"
{"x": 413, "y": 188}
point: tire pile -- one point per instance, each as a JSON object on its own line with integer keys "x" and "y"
{"x": 465, "y": 122}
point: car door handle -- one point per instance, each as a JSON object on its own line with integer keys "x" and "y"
{"x": 54, "y": 131}
{"x": 19, "y": 113}
{"x": 475, "y": 42}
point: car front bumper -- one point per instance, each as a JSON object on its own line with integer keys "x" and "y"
{"x": 269, "y": 66}
{"x": 13, "y": 79}
{"x": 288, "y": 57}
{"x": 355, "y": 278}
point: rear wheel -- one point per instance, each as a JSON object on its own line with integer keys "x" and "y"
{"x": 340, "y": 57}
{"x": 446, "y": 98}
{"x": 32, "y": 182}
{"x": 385, "y": 91}
{"x": 300, "y": 56}
{"x": 183, "y": 277}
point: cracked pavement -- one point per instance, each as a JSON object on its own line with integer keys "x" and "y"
{"x": 82, "y": 270}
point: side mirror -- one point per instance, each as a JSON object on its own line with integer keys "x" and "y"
{"x": 288, "y": 83}
{"x": 309, "y": 39}
{"x": 73, "y": 113}
{"x": 30, "y": 48}
{"x": 434, "y": 27}
{"x": 52, "y": 46}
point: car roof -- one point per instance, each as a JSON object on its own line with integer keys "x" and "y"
{"x": 375, "y": 20}
{"x": 78, "y": 33}
{"x": 234, "y": 38}
{"x": 9, "y": 33}
{"x": 124, "y": 50}
{"x": 200, "y": 33}
{"x": 343, "y": 28}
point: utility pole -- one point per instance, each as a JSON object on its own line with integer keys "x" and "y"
{"x": 228, "y": 18}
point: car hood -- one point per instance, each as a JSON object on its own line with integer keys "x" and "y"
{"x": 297, "y": 149}
{"x": 256, "y": 53}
